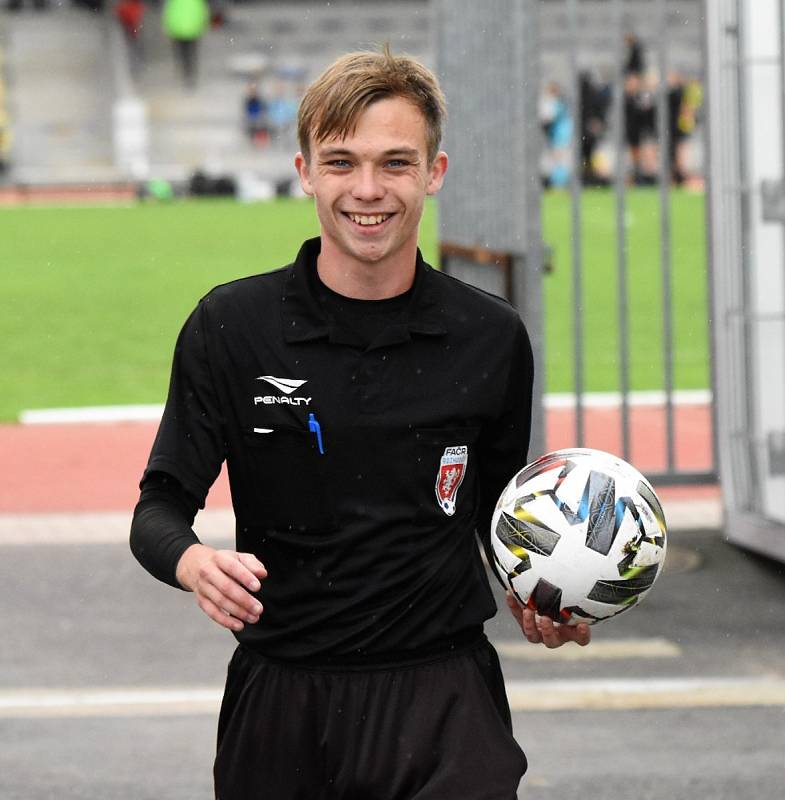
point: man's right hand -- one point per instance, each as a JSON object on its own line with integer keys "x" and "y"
{"x": 222, "y": 581}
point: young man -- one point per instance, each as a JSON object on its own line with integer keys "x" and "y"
{"x": 370, "y": 410}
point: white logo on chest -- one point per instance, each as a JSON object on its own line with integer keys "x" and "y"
{"x": 285, "y": 385}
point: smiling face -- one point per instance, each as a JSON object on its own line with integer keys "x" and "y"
{"x": 370, "y": 188}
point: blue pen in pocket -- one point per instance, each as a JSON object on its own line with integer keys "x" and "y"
{"x": 315, "y": 427}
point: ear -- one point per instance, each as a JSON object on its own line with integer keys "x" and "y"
{"x": 301, "y": 165}
{"x": 436, "y": 173}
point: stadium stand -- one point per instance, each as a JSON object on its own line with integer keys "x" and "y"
{"x": 66, "y": 80}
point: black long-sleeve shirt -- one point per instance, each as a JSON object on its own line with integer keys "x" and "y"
{"x": 361, "y": 460}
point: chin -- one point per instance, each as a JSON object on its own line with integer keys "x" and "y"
{"x": 367, "y": 253}
{"x": 370, "y": 258}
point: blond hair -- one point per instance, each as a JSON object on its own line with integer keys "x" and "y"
{"x": 334, "y": 102}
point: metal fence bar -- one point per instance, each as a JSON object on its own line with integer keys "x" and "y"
{"x": 723, "y": 178}
{"x": 781, "y": 59}
{"x": 489, "y": 65}
{"x": 621, "y": 234}
{"x": 527, "y": 266}
{"x": 663, "y": 125}
{"x": 711, "y": 249}
{"x": 576, "y": 235}
{"x": 753, "y": 495}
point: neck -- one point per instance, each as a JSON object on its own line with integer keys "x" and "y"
{"x": 361, "y": 280}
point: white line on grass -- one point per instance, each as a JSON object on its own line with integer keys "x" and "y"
{"x": 687, "y": 397}
{"x": 49, "y": 416}
{"x": 146, "y": 413}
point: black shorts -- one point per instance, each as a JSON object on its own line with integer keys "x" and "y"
{"x": 438, "y": 730}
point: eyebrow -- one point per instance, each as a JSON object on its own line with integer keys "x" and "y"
{"x": 408, "y": 152}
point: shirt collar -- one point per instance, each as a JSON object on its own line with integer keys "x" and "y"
{"x": 303, "y": 316}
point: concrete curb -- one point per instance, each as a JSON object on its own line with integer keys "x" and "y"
{"x": 217, "y": 525}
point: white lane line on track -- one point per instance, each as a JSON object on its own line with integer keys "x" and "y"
{"x": 99, "y": 527}
{"x": 554, "y": 695}
{"x": 612, "y": 649}
{"x": 114, "y": 702}
{"x": 628, "y": 695}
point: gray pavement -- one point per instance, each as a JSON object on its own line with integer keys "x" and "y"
{"x": 109, "y": 681}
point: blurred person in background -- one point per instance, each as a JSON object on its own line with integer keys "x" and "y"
{"x": 255, "y": 112}
{"x": 130, "y": 15}
{"x": 640, "y": 114}
{"x": 684, "y": 100}
{"x": 635, "y": 61}
{"x": 594, "y": 100}
{"x": 184, "y": 22}
{"x": 284, "y": 101}
{"x": 218, "y": 15}
{"x": 557, "y": 125}
{"x": 640, "y": 129}
{"x": 5, "y": 141}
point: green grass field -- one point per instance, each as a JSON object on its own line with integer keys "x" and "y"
{"x": 93, "y": 298}
{"x": 601, "y": 344}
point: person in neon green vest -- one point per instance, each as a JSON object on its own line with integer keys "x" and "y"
{"x": 184, "y": 22}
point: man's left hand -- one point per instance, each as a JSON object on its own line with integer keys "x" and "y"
{"x": 542, "y": 630}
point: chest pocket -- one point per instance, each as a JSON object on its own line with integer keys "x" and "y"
{"x": 286, "y": 481}
{"x": 446, "y": 472}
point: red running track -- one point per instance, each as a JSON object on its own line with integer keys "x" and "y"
{"x": 97, "y": 467}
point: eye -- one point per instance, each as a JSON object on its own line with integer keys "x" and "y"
{"x": 397, "y": 163}
{"x": 339, "y": 163}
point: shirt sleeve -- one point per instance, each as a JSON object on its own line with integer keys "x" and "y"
{"x": 504, "y": 444}
{"x": 190, "y": 443}
{"x": 161, "y": 527}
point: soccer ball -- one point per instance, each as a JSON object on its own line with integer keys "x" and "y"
{"x": 579, "y": 536}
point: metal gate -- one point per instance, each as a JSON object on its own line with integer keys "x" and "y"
{"x": 559, "y": 39}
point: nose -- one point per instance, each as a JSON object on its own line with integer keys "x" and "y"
{"x": 367, "y": 185}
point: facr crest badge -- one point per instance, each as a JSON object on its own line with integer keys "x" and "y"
{"x": 452, "y": 468}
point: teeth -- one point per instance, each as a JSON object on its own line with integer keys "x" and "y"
{"x": 374, "y": 219}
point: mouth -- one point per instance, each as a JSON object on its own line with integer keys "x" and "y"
{"x": 370, "y": 221}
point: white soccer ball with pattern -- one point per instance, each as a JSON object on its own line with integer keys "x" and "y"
{"x": 579, "y": 536}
